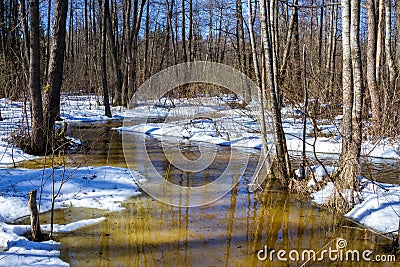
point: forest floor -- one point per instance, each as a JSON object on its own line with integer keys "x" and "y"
{"x": 189, "y": 120}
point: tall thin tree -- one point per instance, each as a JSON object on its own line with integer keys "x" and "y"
{"x": 52, "y": 91}
{"x": 37, "y": 138}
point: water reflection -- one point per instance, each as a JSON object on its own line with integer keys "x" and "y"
{"x": 228, "y": 232}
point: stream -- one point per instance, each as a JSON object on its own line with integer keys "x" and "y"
{"x": 227, "y": 232}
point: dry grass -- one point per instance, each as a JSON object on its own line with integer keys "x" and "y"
{"x": 345, "y": 183}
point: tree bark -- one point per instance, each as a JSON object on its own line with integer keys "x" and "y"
{"x": 86, "y": 30}
{"x": 116, "y": 61}
{"x": 130, "y": 40}
{"x": 320, "y": 34}
{"x": 379, "y": 40}
{"x": 35, "y": 222}
{"x": 48, "y": 39}
{"x": 190, "y": 37}
{"x": 56, "y": 65}
{"x": 347, "y": 79}
{"x": 389, "y": 56}
{"x": 253, "y": 43}
{"x": 37, "y": 138}
{"x": 371, "y": 60}
{"x": 358, "y": 85}
{"x": 71, "y": 31}
{"x": 261, "y": 92}
{"x": 397, "y": 29}
{"x": 271, "y": 70}
{"x": 241, "y": 48}
{"x": 288, "y": 43}
{"x": 147, "y": 38}
{"x": 25, "y": 31}
{"x": 3, "y": 27}
{"x": 185, "y": 59}
{"x": 107, "y": 109}
{"x": 353, "y": 91}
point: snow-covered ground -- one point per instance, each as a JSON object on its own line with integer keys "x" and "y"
{"x": 229, "y": 126}
{"x": 73, "y": 109}
{"x": 233, "y": 127}
{"x": 100, "y": 187}
{"x": 380, "y": 208}
{"x": 22, "y": 252}
{"x": 196, "y": 120}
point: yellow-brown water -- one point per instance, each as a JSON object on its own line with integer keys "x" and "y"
{"x": 228, "y": 232}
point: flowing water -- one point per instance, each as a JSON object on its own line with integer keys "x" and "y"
{"x": 227, "y": 232}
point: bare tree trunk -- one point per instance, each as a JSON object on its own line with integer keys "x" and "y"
{"x": 116, "y": 62}
{"x": 147, "y": 38}
{"x": 25, "y": 31}
{"x": 353, "y": 90}
{"x": 271, "y": 69}
{"x": 253, "y": 43}
{"x": 371, "y": 61}
{"x": 305, "y": 112}
{"x": 358, "y": 85}
{"x": 347, "y": 78}
{"x": 261, "y": 93}
{"x": 288, "y": 44}
{"x": 38, "y": 140}
{"x": 104, "y": 60}
{"x": 171, "y": 37}
{"x": 86, "y": 29}
{"x": 190, "y": 37}
{"x": 379, "y": 40}
{"x": 131, "y": 39}
{"x": 296, "y": 46}
{"x": 165, "y": 47}
{"x": 330, "y": 36}
{"x": 273, "y": 5}
{"x": 397, "y": 29}
{"x": 35, "y": 222}
{"x": 320, "y": 35}
{"x": 56, "y": 65}
{"x": 210, "y": 39}
{"x": 185, "y": 59}
{"x": 3, "y": 26}
{"x": 128, "y": 53}
{"x": 71, "y": 31}
{"x": 48, "y": 39}
{"x": 389, "y": 56}
{"x": 241, "y": 53}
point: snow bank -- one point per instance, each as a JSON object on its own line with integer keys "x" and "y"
{"x": 73, "y": 109}
{"x": 100, "y": 187}
{"x": 380, "y": 208}
{"x": 22, "y": 252}
{"x": 236, "y": 128}
{"x": 222, "y": 131}
{"x": 232, "y": 127}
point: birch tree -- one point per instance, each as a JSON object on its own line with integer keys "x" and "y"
{"x": 353, "y": 92}
{"x": 271, "y": 71}
{"x": 371, "y": 59}
{"x": 389, "y": 55}
{"x": 379, "y": 39}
